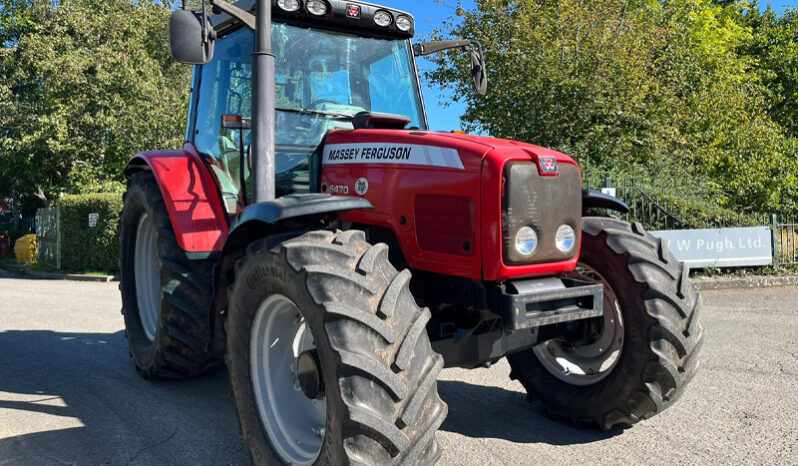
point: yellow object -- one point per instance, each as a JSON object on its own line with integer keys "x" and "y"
{"x": 25, "y": 250}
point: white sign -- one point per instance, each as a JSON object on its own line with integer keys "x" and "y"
{"x": 610, "y": 192}
{"x": 384, "y": 153}
{"x": 725, "y": 247}
{"x": 93, "y": 220}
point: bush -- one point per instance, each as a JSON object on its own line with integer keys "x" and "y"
{"x": 84, "y": 248}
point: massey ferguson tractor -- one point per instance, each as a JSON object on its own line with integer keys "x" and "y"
{"x": 316, "y": 237}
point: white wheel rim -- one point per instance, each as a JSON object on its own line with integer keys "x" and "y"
{"x": 587, "y": 364}
{"x": 148, "y": 277}
{"x": 294, "y": 423}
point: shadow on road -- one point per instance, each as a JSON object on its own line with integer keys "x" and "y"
{"x": 12, "y": 273}
{"x": 75, "y": 398}
{"x": 479, "y": 411}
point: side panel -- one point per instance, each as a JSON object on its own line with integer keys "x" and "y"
{"x": 441, "y": 194}
{"x": 450, "y": 177}
{"x": 191, "y": 196}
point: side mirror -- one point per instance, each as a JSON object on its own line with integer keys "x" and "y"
{"x": 478, "y": 69}
{"x": 191, "y": 37}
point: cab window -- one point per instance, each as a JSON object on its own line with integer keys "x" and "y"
{"x": 225, "y": 89}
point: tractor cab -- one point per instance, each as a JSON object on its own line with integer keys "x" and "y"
{"x": 327, "y": 73}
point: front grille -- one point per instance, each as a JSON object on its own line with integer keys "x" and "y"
{"x": 543, "y": 203}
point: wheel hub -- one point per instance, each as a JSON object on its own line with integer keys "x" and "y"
{"x": 287, "y": 381}
{"x": 309, "y": 375}
{"x": 147, "y": 274}
{"x": 592, "y": 362}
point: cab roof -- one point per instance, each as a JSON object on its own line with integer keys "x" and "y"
{"x": 341, "y": 17}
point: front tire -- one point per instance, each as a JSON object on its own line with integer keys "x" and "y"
{"x": 380, "y": 398}
{"x": 166, "y": 298}
{"x": 652, "y": 319}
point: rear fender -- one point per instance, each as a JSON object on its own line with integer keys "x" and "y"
{"x": 191, "y": 196}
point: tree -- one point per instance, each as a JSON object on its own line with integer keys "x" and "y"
{"x": 84, "y": 85}
{"x": 631, "y": 86}
{"x": 774, "y": 47}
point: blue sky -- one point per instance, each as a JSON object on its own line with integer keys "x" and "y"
{"x": 430, "y": 14}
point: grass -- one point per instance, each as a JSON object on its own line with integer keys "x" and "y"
{"x": 711, "y": 272}
{"x": 47, "y": 268}
{"x": 42, "y": 268}
{"x": 8, "y": 260}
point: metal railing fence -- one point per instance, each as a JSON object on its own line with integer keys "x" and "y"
{"x": 785, "y": 240}
{"x": 48, "y": 237}
{"x": 655, "y": 212}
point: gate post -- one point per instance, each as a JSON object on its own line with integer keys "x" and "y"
{"x": 58, "y": 235}
{"x": 774, "y": 229}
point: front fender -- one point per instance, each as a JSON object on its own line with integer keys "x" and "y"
{"x": 278, "y": 219}
{"x": 293, "y": 212}
{"x": 596, "y": 200}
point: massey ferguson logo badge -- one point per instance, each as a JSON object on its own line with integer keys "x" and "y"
{"x": 362, "y": 186}
{"x": 548, "y": 165}
{"x": 353, "y": 11}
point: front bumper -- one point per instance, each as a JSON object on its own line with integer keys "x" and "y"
{"x": 533, "y": 303}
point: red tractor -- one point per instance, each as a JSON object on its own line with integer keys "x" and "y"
{"x": 316, "y": 237}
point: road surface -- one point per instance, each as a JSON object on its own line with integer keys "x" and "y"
{"x": 69, "y": 395}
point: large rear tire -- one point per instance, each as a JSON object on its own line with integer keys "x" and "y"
{"x": 166, "y": 298}
{"x": 646, "y": 350}
{"x": 333, "y": 294}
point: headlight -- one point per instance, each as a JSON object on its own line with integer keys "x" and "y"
{"x": 565, "y": 239}
{"x": 404, "y": 23}
{"x": 289, "y": 5}
{"x": 316, "y": 7}
{"x": 526, "y": 241}
{"x": 383, "y": 18}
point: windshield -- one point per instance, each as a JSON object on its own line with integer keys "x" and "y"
{"x": 322, "y": 79}
{"x": 344, "y": 73}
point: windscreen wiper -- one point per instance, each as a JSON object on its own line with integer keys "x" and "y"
{"x": 316, "y": 112}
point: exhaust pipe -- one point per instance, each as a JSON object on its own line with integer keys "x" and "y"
{"x": 263, "y": 69}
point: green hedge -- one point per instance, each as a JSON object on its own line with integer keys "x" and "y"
{"x": 84, "y": 248}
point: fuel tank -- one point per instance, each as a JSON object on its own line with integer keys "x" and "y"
{"x": 441, "y": 194}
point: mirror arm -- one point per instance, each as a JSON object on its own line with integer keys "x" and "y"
{"x": 428, "y": 48}
{"x": 248, "y": 19}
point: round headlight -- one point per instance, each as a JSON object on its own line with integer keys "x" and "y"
{"x": 289, "y": 5}
{"x": 316, "y": 7}
{"x": 383, "y": 18}
{"x": 565, "y": 239}
{"x": 526, "y": 241}
{"x": 404, "y": 23}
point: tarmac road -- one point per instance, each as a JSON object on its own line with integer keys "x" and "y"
{"x": 69, "y": 395}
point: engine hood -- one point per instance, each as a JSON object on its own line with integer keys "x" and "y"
{"x": 471, "y": 150}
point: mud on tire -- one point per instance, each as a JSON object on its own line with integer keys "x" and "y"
{"x": 182, "y": 344}
{"x": 378, "y": 366}
{"x": 662, "y": 332}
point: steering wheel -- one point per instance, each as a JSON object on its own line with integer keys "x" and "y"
{"x": 318, "y": 102}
